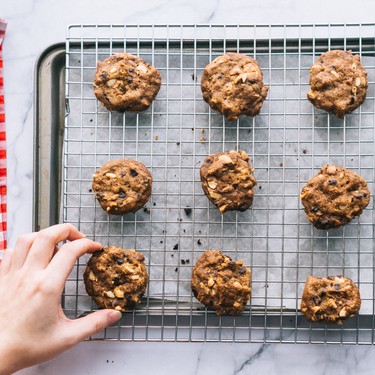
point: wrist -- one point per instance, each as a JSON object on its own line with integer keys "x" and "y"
{"x": 7, "y": 363}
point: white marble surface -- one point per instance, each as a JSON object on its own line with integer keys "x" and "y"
{"x": 36, "y": 24}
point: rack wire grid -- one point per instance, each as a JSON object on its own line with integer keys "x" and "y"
{"x": 288, "y": 142}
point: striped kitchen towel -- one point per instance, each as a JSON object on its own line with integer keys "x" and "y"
{"x": 3, "y": 162}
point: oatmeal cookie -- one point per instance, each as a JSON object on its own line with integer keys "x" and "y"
{"x": 228, "y": 181}
{"x": 116, "y": 278}
{"x": 232, "y": 84}
{"x": 124, "y": 82}
{"x": 334, "y": 197}
{"x": 122, "y": 186}
{"x": 220, "y": 283}
{"x": 331, "y": 299}
{"x": 338, "y": 82}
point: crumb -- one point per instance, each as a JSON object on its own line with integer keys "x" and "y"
{"x": 90, "y": 190}
{"x": 154, "y": 204}
{"x": 184, "y": 230}
{"x": 199, "y": 242}
{"x": 304, "y": 151}
{"x": 202, "y": 139}
{"x": 187, "y": 261}
{"x": 182, "y": 261}
{"x": 175, "y": 247}
{"x": 199, "y": 231}
{"x": 178, "y": 143}
{"x": 161, "y": 241}
{"x": 281, "y": 164}
{"x": 202, "y": 131}
{"x": 172, "y": 255}
{"x": 147, "y": 210}
{"x": 91, "y": 119}
{"x": 188, "y": 211}
{"x": 192, "y": 129}
{"x": 179, "y": 219}
{"x": 176, "y": 269}
{"x": 156, "y": 137}
{"x": 260, "y": 188}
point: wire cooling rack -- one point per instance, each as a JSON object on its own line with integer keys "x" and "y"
{"x": 288, "y": 143}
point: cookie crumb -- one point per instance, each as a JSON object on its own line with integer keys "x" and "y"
{"x": 188, "y": 211}
{"x": 175, "y": 247}
{"x": 199, "y": 242}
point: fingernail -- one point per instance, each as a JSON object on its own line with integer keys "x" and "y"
{"x": 114, "y": 316}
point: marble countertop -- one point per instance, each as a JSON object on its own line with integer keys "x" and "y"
{"x": 33, "y": 25}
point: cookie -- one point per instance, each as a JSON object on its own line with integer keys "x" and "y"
{"x": 331, "y": 299}
{"x": 338, "y": 82}
{"x": 334, "y": 197}
{"x": 122, "y": 186}
{"x": 228, "y": 181}
{"x": 124, "y": 82}
{"x": 232, "y": 84}
{"x": 116, "y": 278}
{"x": 220, "y": 283}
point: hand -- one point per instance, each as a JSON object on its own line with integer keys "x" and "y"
{"x": 33, "y": 327}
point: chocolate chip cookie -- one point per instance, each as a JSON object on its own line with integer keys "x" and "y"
{"x": 334, "y": 197}
{"x": 331, "y": 299}
{"x": 116, "y": 278}
{"x": 232, "y": 84}
{"x": 228, "y": 181}
{"x": 338, "y": 82}
{"x": 221, "y": 283}
{"x": 124, "y": 82}
{"x": 122, "y": 186}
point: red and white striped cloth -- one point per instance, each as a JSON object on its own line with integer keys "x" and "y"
{"x": 3, "y": 161}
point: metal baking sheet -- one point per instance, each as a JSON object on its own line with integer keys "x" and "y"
{"x": 288, "y": 142}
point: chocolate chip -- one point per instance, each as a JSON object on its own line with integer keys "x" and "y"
{"x": 242, "y": 270}
{"x": 131, "y": 70}
{"x": 175, "y": 247}
{"x": 315, "y": 209}
{"x": 119, "y": 261}
{"x": 194, "y": 292}
{"x": 96, "y": 253}
{"x": 337, "y": 286}
{"x": 130, "y": 79}
{"x": 242, "y": 208}
{"x": 188, "y": 211}
{"x": 332, "y": 182}
{"x": 103, "y": 76}
{"x": 199, "y": 242}
{"x": 133, "y": 172}
{"x": 122, "y": 194}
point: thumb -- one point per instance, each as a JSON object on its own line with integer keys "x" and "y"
{"x": 84, "y": 327}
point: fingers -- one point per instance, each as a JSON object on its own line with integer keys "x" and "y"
{"x": 64, "y": 260}
{"x": 6, "y": 262}
{"x": 21, "y": 250}
{"x": 44, "y": 243}
{"x": 81, "y": 328}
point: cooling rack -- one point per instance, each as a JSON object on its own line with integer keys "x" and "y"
{"x": 288, "y": 142}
